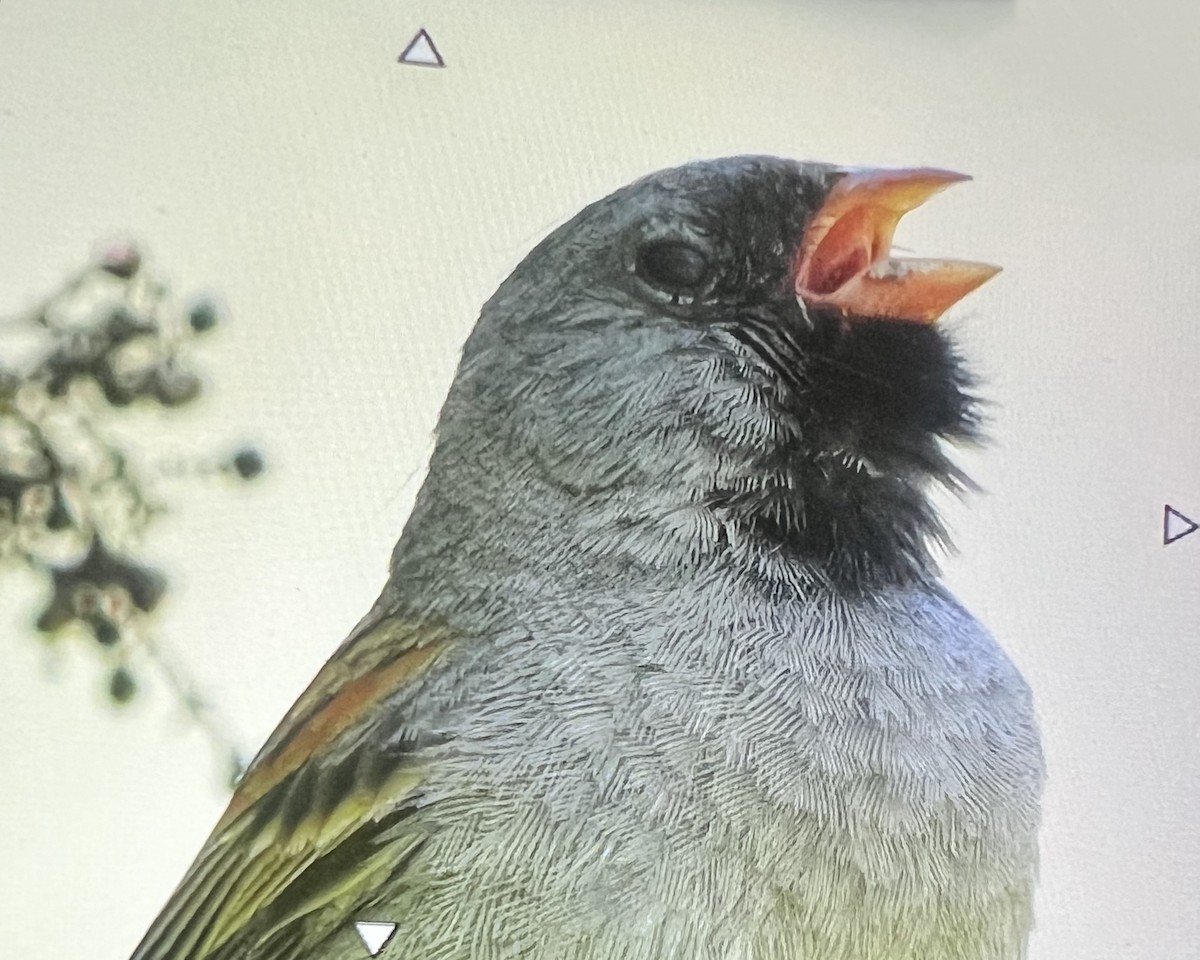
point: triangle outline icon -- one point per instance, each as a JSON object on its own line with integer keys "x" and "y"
{"x": 1176, "y": 526}
{"x": 375, "y": 934}
{"x": 421, "y": 52}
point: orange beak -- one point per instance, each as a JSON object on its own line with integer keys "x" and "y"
{"x": 845, "y": 260}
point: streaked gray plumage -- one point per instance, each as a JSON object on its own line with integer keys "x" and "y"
{"x": 663, "y": 668}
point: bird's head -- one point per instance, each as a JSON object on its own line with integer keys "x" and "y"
{"x": 734, "y": 338}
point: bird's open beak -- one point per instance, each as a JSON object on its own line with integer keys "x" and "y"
{"x": 845, "y": 260}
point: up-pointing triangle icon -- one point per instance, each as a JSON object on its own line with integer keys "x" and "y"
{"x": 421, "y": 52}
{"x": 375, "y": 934}
{"x": 1176, "y": 526}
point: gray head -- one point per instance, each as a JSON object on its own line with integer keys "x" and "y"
{"x": 732, "y": 337}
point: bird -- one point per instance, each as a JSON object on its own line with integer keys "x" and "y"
{"x": 665, "y": 665}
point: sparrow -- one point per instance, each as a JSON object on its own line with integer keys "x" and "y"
{"x": 665, "y": 668}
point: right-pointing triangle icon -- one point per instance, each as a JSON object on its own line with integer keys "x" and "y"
{"x": 421, "y": 52}
{"x": 1176, "y": 526}
{"x": 375, "y": 934}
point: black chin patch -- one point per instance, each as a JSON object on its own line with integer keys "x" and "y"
{"x": 886, "y": 391}
{"x": 875, "y": 399}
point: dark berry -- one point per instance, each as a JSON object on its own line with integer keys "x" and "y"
{"x": 248, "y": 463}
{"x": 105, "y": 631}
{"x": 121, "y": 685}
{"x": 203, "y": 316}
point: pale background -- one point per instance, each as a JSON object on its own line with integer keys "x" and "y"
{"x": 353, "y": 213}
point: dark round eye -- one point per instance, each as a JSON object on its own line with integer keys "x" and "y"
{"x": 672, "y": 265}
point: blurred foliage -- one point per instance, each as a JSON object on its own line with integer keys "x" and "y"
{"x": 73, "y": 508}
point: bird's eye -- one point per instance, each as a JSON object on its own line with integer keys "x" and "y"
{"x": 673, "y": 266}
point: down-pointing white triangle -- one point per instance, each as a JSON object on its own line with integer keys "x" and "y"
{"x": 422, "y": 52}
{"x": 375, "y": 934}
{"x": 1176, "y": 525}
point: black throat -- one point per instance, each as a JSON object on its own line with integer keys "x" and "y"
{"x": 872, "y": 404}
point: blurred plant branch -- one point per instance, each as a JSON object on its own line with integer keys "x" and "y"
{"x": 73, "y": 508}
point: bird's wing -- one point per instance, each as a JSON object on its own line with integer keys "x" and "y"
{"x": 302, "y": 840}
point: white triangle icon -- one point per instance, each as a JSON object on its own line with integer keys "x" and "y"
{"x": 1176, "y": 525}
{"x": 375, "y": 934}
{"x": 421, "y": 52}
